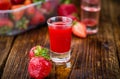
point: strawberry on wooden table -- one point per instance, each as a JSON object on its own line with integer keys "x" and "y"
{"x": 79, "y": 29}
{"x": 39, "y": 65}
{"x": 38, "y": 50}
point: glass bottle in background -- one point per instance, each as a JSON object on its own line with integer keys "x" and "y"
{"x": 90, "y": 10}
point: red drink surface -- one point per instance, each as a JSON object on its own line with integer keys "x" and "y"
{"x": 5, "y": 4}
{"x": 60, "y": 37}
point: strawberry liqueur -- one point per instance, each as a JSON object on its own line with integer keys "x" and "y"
{"x": 60, "y": 32}
{"x": 60, "y": 37}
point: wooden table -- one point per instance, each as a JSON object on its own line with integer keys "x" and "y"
{"x": 95, "y": 57}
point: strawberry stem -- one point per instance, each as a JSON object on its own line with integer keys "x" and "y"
{"x": 40, "y": 51}
{"x": 74, "y": 22}
{"x": 66, "y": 1}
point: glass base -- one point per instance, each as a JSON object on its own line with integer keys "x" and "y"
{"x": 92, "y": 30}
{"x": 60, "y": 57}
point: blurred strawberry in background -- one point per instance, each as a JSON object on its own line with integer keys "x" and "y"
{"x": 67, "y": 8}
{"x": 18, "y": 14}
{"x": 5, "y": 25}
{"x": 27, "y": 2}
{"x": 37, "y": 18}
{"x": 5, "y": 22}
{"x": 17, "y": 1}
{"x": 5, "y": 4}
{"x": 47, "y": 6}
{"x": 79, "y": 29}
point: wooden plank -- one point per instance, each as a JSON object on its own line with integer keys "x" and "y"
{"x": 5, "y": 46}
{"x": 92, "y": 58}
{"x": 17, "y": 62}
{"x": 115, "y": 15}
{"x": 110, "y": 66}
{"x": 63, "y": 71}
{"x": 99, "y": 59}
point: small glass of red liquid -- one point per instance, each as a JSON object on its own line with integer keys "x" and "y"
{"x": 60, "y": 32}
{"x": 90, "y": 10}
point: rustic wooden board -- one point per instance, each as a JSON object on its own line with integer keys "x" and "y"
{"x": 16, "y": 65}
{"x": 99, "y": 58}
{"x": 115, "y": 19}
{"x": 96, "y": 57}
{"x": 5, "y": 46}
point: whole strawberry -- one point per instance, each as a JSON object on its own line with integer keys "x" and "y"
{"x": 67, "y": 8}
{"x": 39, "y": 65}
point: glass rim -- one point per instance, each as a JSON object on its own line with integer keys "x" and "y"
{"x": 67, "y": 23}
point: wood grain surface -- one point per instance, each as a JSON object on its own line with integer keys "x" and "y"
{"x": 95, "y": 57}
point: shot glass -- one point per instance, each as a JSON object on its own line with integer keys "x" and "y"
{"x": 60, "y": 32}
{"x": 90, "y": 10}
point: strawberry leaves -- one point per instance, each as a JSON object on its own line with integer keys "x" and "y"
{"x": 38, "y": 0}
{"x": 40, "y": 51}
